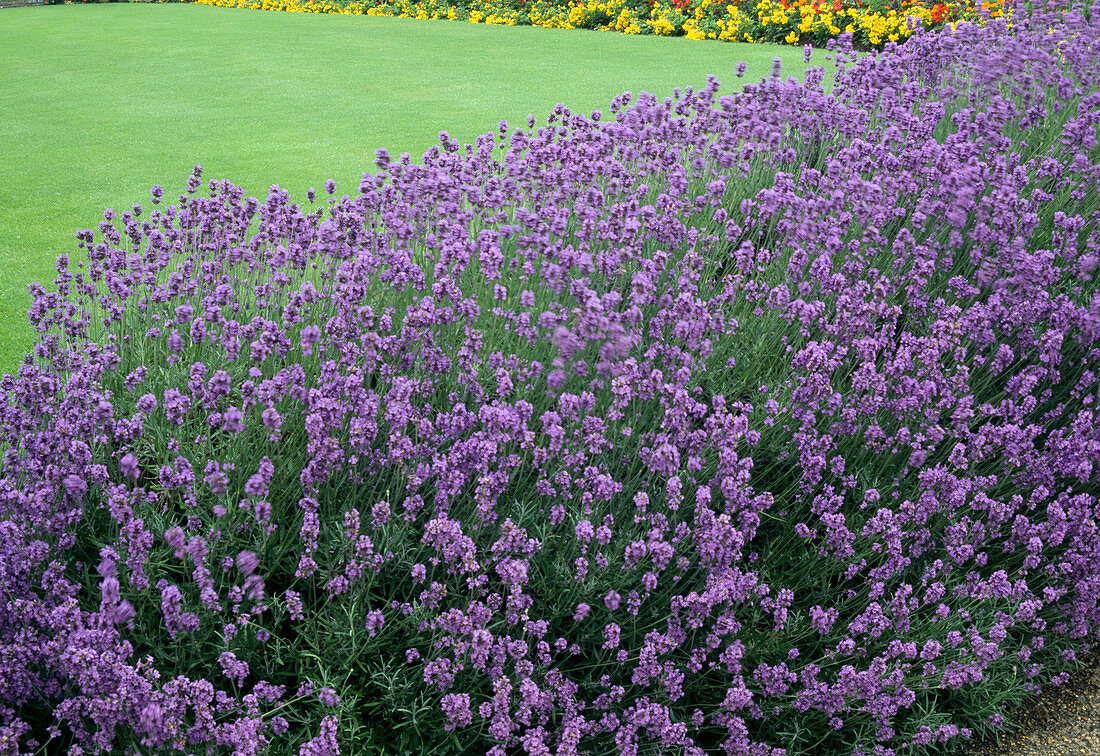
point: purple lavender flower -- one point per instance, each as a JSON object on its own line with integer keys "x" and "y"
{"x": 801, "y": 380}
{"x": 328, "y": 697}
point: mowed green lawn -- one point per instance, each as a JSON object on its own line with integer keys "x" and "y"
{"x": 100, "y": 102}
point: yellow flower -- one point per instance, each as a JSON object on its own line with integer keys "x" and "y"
{"x": 791, "y": 38}
{"x": 692, "y": 30}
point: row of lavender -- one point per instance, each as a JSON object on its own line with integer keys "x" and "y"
{"x": 756, "y": 424}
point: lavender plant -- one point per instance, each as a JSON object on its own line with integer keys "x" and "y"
{"x": 750, "y": 424}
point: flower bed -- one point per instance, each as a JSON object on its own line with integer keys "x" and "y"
{"x": 872, "y": 23}
{"x": 759, "y": 423}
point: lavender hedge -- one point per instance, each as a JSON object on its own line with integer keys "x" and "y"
{"x": 752, "y": 424}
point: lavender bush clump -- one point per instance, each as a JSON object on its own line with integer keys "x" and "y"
{"x": 753, "y": 424}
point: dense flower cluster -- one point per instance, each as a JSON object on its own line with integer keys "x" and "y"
{"x": 871, "y": 23}
{"x": 761, "y": 423}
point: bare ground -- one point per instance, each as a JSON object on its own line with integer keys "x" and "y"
{"x": 1062, "y": 721}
